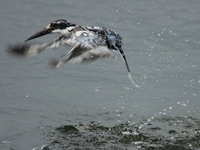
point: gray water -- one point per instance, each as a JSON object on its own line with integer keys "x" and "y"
{"x": 94, "y": 106}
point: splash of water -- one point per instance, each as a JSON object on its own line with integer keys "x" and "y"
{"x": 133, "y": 82}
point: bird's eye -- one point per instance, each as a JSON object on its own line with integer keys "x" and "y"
{"x": 53, "y": 25}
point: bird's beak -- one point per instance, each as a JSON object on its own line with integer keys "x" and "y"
{"x": 40, "y": 33}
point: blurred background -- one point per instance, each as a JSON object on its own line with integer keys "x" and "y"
{"x": 94, "y": 106}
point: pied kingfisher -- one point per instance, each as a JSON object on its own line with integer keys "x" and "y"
{"x": 88, "y": 43}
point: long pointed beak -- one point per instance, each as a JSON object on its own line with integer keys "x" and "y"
{"x": 126, "y": 63}
{"x": 40, "y": 33}
{"x": 124, "y": 57}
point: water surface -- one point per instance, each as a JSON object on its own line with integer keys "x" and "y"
{"x": 94, "y": 106}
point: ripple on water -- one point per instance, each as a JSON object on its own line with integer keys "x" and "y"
{"x": 163, "y": 133}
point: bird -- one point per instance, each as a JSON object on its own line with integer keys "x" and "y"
{"x": 88, "y": 43}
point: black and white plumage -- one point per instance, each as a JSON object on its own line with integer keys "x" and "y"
{"x": 88, "y": 43}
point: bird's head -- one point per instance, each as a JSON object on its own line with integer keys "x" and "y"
{"x": 60, "y": 26}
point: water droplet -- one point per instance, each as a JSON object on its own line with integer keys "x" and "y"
{"x": 6, "y": 142}
{"x": 97, "y": 89}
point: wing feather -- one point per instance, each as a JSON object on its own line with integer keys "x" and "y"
{"x": 86, "y": 45}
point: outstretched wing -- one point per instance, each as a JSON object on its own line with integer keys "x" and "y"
{"x": 28, "y": 49}
{"x": 87, "y": 46}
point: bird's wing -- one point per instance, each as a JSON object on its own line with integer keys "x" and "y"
{"x": 28, "y": 49}
{"x": 87, "y": 46}
{"x": 80, "y": 54}
{"x": 84, "y": 39}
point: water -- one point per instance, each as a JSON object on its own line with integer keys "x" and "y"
{"x": 94, "y": 106}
